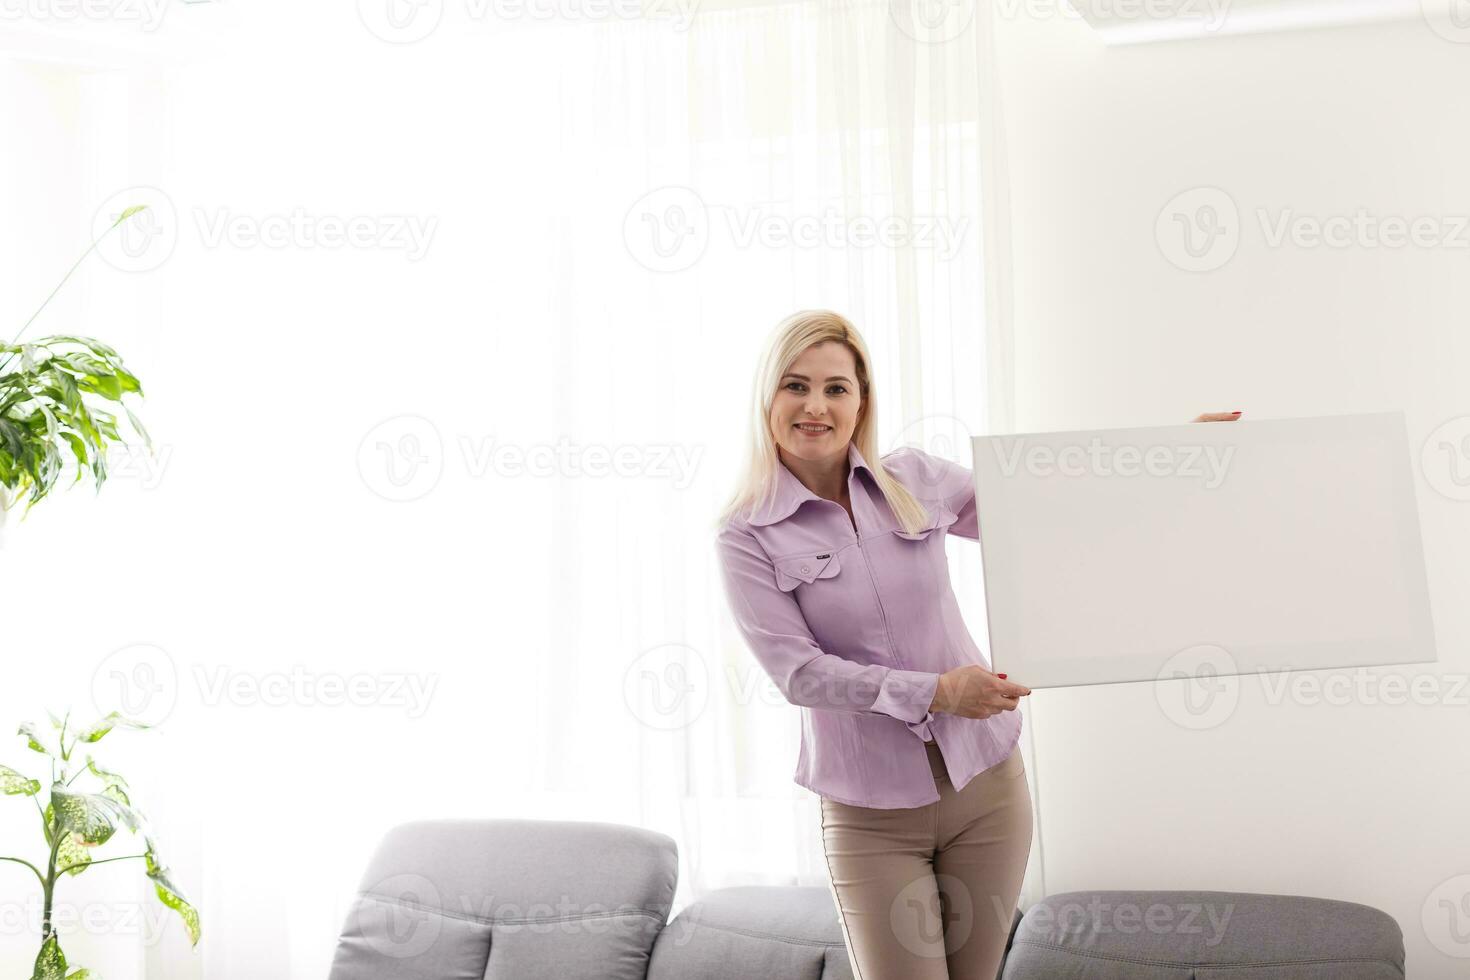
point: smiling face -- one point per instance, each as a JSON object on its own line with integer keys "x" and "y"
{"x": 817, "y": 403}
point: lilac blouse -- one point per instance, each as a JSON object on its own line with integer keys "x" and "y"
{"x": 856, "y": 625}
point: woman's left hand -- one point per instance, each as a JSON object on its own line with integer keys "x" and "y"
{"x": 1218, "y": 417}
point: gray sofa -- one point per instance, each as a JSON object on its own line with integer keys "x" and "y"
{"x": 570, "y": 900}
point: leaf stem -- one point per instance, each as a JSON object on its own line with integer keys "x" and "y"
{"x": 34, "y": 870}
{"x": 88, "y": 864}
{"x": 128, "y": 213}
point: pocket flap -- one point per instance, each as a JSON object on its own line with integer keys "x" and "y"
{"x": 939, "y": 516}
{"x": 793, "y": 571}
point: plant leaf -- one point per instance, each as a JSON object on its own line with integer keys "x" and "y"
{"x": 33, "y": 739}
{"x": 50, "y": 963}
{"x": 87, "y": 815}
{"x": 74, "y": 854}
{"x": 107, "y": 724}
{"x": 169, "y": 894}
{"x": 106, "y": 775}
{"x": 13, "y": 783}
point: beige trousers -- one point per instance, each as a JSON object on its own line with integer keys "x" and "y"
{"x": 928, "y": 893}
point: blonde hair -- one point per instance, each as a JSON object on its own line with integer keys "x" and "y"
{"x": 791, "y": 337}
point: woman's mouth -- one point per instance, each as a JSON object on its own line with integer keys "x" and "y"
{"x": 812, "y": 428}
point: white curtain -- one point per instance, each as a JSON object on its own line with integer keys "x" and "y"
{"x": 615, "y": 214}
{"x": 763, "y": 124}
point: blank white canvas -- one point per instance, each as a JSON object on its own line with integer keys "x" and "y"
{"x": 1285, "y": 543}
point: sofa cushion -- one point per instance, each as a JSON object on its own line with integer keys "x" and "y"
{"x": 1178, "y": 935}
{"x": 771, "y": 932}
{"x": 509, "y": 900}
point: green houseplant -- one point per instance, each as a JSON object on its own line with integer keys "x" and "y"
{"x": 54, "y": 396}
{"x": 77, "y": 820}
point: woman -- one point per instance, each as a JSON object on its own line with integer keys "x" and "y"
{"x": 834, "y": 566}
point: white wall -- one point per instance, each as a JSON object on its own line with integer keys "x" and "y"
{"x": 1351, "y": 798}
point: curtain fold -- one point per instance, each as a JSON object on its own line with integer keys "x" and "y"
{"x": 841, "y": 154}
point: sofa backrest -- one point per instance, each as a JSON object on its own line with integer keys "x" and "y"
{"x": 509, "y": 900}
{"x": 1180, "y": 935}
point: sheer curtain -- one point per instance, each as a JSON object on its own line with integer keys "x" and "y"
{"x": 488, "y": 466}
{"x": 844, "y": 155}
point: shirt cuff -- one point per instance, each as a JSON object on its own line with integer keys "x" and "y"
{"x": 921, "y": 728}
{"x": 907, "y": 694}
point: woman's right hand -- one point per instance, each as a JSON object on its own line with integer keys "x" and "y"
{"x": 974, "y": 692}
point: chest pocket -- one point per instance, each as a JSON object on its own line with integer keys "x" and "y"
{"x": 939, "y": 517}
{"x": 798, "y": 569}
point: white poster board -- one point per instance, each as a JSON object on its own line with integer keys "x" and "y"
{"x": 1115, "y": 555}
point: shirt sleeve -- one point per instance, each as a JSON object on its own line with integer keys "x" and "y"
{"x": 955, "y": 484}
{"x": 777, "y": 633}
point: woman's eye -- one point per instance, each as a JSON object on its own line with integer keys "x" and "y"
{"x": 795, "y": 386}
{"x": 836, "y": 390}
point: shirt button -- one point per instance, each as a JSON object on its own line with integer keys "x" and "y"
{"x": 805, "y": 569}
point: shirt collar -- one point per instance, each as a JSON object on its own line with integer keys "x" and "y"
{"x": 791, "y": 493}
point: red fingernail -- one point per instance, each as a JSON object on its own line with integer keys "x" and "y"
{"x": 1002, "y": 676}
